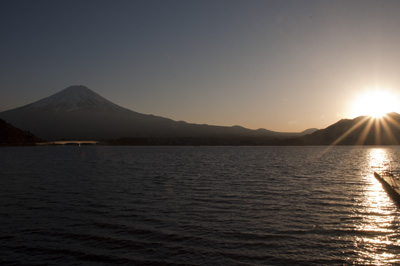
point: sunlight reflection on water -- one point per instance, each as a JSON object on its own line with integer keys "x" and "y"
{"x": 197, "y": 206}
{"x": 377, "y": 217}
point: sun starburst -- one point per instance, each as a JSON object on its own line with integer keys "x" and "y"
{"x": 375, "y": 103}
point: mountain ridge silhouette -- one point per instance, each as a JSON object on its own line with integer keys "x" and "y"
{"x": 80, "y": 113}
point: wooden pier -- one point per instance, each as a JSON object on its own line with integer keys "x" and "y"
{"x": 391, "y": 184}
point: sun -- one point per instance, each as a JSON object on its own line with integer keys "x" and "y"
{"x": 375, "y": 103}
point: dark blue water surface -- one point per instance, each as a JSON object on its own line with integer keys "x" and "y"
{"x": 101, "y": 205}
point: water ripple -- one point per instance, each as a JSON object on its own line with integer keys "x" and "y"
{"x": 195, "y": 206}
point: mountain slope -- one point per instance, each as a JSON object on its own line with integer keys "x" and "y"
{"x": 71, "y": 99}
{"x": 10, "y": 135}
{"x": 362, "y": 130}
{"x": 79, "y": 113}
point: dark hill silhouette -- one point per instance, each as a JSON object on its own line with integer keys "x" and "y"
{"x": 10, "y": 135}
{"x": 363, "y": 130}
{"x": 79, "y": 113}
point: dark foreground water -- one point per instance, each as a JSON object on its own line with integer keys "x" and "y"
{"x": 196, "y": 206}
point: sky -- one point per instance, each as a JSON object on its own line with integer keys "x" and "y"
{"x": 281, "y": 65}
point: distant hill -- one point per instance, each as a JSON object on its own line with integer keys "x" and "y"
{"x": 79, "y": 113}
{"x": 10, "y": 135}
{"x": 308, "y": 131}
{"x": 362, "y": 130}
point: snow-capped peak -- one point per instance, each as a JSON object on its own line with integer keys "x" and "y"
{"x": 74, "y": 98}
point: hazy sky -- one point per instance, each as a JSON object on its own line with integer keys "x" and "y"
{"x": 280, "y": 65}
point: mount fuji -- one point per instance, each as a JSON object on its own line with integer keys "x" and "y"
{"x": 79, "y": 113}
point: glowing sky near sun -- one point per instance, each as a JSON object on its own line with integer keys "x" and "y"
{"x": 280, "y": 65}
{"x": 375, "y": 103}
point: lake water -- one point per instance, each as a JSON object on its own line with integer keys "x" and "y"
{"x": 196, "y": 206}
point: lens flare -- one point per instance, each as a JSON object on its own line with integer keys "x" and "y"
{"x": 375, "y": 103}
